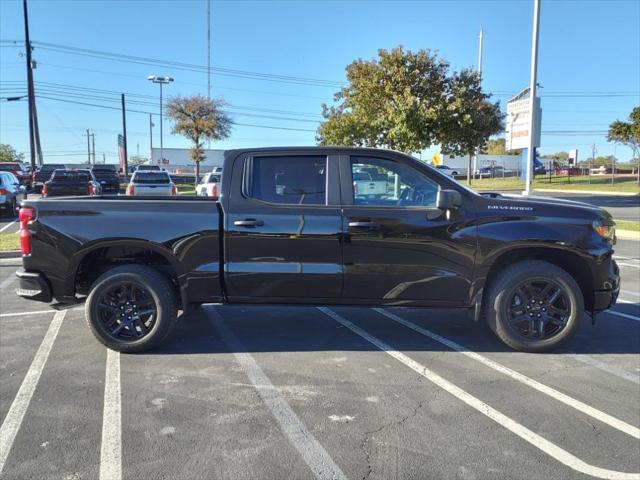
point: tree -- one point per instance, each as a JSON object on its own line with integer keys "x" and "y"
{"x": 137, "y": 160}
{"x": 627, "y": 133}
{"x": 498, "y": 146}
{"x": 9, "y": 154}
{"x": 199, "y": 119}
{"x": 408, "y": 101}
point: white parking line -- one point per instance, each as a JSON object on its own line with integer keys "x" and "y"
{"x": 7, "y": 226}
{"x": 529, "y": 436}
{"x": 13, "y": 420}
{"x": 625, "y": 264}
{"x": 622, "y": 315}
{"x": 313, "y": 454}
{"x": 111, "y": 448}
{"x": 37, "y": 312}
{"x": 607, "y": 367}
{"x": 541, "y": 387}
{"x": 629, "y": 292}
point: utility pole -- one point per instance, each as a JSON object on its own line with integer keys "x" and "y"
{"x": 209, "y": 56}
{"x": 36, "y": 133}
{"x": 592, "y": 159}
{"x": 150, "y": 138}
{"x": 88, "y": 148}
{"x": 531, "y": 151}
{"x": 93, "y": 147}
{"x": 104, "y": 159}
{"x": 138, "y": 149}
{"x": 32, "y": 148}
{"x": 124, "y": 135}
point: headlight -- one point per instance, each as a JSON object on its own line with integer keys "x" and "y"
{"x": 607, "y": 231}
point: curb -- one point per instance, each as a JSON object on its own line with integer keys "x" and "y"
{"x": 588, "y": 192}
{"x": 11, "y": 254}
{"x": 627, "y": 235}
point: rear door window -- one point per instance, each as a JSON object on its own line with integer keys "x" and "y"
{"x": 292, "y": 180}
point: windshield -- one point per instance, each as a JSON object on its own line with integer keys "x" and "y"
{"x": 151, "y": 177}
{"x": 71, "y": 176}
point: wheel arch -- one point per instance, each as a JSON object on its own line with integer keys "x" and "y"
{"x": 90, "y": 263}
{"x": 571, "y": 262}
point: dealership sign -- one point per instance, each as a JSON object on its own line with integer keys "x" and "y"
{"x": 518, "y": 121}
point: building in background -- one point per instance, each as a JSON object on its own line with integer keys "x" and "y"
{"x": 178, "y": 160}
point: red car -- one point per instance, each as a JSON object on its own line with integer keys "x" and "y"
{"x": 17, "y": 169}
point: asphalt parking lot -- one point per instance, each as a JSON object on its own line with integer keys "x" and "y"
{"x": 301, "y": 392}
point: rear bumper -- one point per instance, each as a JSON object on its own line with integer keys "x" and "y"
{"x": 33, "y": 286}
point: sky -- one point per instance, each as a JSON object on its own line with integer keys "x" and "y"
{"x": 589, "y": 64}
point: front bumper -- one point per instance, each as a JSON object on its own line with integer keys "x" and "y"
{"x": 33, "y": 286}
{"x": 604, "y": 299}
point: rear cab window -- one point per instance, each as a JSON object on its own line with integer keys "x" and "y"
{"x": 151, "y": 177}
{"x": 289, "y": 180}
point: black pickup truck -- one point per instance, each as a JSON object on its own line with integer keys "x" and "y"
{"x": 290, "y": 227}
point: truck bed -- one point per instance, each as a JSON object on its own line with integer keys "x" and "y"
{"x": 72, "y": 235}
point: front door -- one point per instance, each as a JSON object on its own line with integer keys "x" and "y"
{"x": 399, "y": 249}
{"x": 283, "y": 232}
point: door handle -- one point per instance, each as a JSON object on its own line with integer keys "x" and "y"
{"x": 369, "y": 225}
{"x": 248, "y": 222}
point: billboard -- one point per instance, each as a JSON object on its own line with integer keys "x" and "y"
{"x": 518, "y": 123}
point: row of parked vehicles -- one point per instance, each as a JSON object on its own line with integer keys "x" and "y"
{"x": 57, "y": 180}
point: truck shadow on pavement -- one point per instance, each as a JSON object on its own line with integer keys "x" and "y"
{"x": 306, "y": 329}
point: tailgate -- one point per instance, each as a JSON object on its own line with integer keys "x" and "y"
{"x": 149, "y": 190}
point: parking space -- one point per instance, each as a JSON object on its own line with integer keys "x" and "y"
{"x": 301, "y": 392}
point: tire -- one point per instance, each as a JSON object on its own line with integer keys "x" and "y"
{"x": 537, "y": 326}
{"x": 14, "y": 211}
{"x": 151, "y": 288}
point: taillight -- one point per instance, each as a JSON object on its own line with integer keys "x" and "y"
{"x": 214, "y": 190}
{"x": 45, "y": 190}
{"x": 3, "y": 191}
{"x": 24, "y": 217}
{"x": 90, "y": 189}
{"x": 174, "y": 190}
{"x": 33, "y": 176}
{"x": 131, "y": 190}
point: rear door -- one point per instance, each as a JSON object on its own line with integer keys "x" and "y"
{"x": 283, "y": 228}
{"x": 399, "y": 249}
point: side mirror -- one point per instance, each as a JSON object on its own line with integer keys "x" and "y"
{"x": 448, "y": 200}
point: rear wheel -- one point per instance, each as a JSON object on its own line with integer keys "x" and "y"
{"x": 131, "y": 308}
{"x": 534, "y": 306}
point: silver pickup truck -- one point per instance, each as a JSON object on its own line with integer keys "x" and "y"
{"x": 151, "y": 183}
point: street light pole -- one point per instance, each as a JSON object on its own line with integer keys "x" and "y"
{"x": 161, "y": 81}
{"x": 161, "y": 145}
{"x": 531, "y": 151}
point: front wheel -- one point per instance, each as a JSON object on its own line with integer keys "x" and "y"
{"x": 131, "y": 308}
{"x": 534, "y": 306}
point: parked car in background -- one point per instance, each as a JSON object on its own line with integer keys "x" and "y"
{"x": 11, "y": 193}
{"x": 217, "y": 170}
{"x": 107, "y": 176}
{"x": 151, "y": 183}
{"x": 369, "y": 184}
{"x": 209, "y": 186}
{"x": 148, "y": 167}
{"x": 447, "y": 170}
{"x": 71, "y": 183}
{"x": 43, "y": 174}
{"x": 17, "y": 169}
{"x": 491, "y": 171}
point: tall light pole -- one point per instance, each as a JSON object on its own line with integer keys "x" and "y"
{"x": 480, "y": 41}
{"x": 161, "y": 81}
{"x": 531, "y": 151}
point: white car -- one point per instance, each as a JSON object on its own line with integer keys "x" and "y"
{"x": 151, "y": 183}
{"x": 209, "y": 186}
